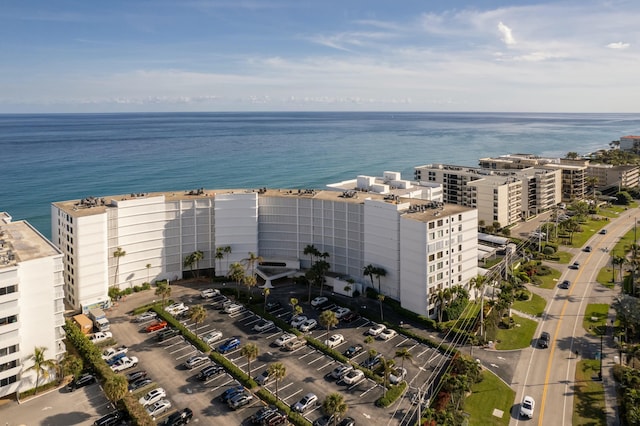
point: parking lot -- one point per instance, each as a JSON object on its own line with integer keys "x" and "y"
{"x": 308, "y": 370}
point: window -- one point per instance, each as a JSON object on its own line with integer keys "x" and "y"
{"x": 8, "y": 350}
{"x": 8, "y": 381}
{"x": 440, "y": 222}
{"x": 8, "y": 365}
{"x": 8, "y": 289}
{"x": 8, "y": 320}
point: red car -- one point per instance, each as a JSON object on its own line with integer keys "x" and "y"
{"x": 158, "y": 325}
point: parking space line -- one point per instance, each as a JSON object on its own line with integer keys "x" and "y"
{"x": 368, "y": 390}
{"x": 422, "y": 353}
{"x": 317, "y": 359}
{"x": 187, "y": 354}
{"x": 253, "y": 320}
{"x": 412, "y": 347}
{"x": 307, "y": 354}
{"x": 181, "y": 340}
{"x": 238, "y": 314}
{"x": 293, "y": 394}
{"x": 231, "y": 380}
{"x": 275, "y": 333}
{"x": 401, "y": 342}
{"x": 181, "y": 349}
{"x": 326, "y": 365}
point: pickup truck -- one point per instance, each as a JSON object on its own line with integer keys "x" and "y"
{"x": 124, "y": 363}
{"x": 110, "y": 353}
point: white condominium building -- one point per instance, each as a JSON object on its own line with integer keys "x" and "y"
{"x": 31, "y": 303}
{"x": 422, "y": 245}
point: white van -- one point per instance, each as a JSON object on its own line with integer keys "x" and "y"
{"x": 234, "y": 308}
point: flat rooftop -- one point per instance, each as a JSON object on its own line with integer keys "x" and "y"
{"x": 20, "y": 242}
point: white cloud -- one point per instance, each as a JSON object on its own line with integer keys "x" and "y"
{"x": 618, "y": 45}
{"x": 507, "y": 36}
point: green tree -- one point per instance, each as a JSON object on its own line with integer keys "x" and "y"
{"x": 328, "y": 319}
{"x": 197, "y": 257}
{"x": 250, "y": 282}
{"x": 266, "y": 294}
{"x": 41, "y": 365}
{"x": 115, "y": 387}
{"x": 369, "y": 271}
{"x": 293, "y": 302}
{"x": 403, "y": 354}
{"x": 117, "y": 255}
{"x": 71, "y": 365}
{"x": 381, "y": 300}
{"x": 163, "y": 289}
{"x": 250, "y": 351}
{"x": 317, "y": 274}
{"x": 197, "y": 314}
{"x": 478, "y": 283}
{"x": 219, "y": 256}
{"x": 387, "y": 369}
{"x": 236, "y": 273}
{"x": 278, "y": 371}
{"x": 227, "y": 251}
{"x": 335, "y": 405}
{"x": 312, "y": 252}
{"x": 252, "y": 261}
{"x": 379, "y": 272}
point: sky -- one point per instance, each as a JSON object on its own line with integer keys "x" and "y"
{"x": 319, "y": 55}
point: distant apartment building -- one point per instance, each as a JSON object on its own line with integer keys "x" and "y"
{"x": 31, "y": 303}
{"x": 422, "y": 245}
{"x": 630, "y": 143}
{"x": 607, "y": 175}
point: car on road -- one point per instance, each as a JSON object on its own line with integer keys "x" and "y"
{"x": 334, "y": 340}
{"x": 82, "y": 381}
{"x": 398, "y": 375}
{"x": 527, "y": 407}
{"x": 272, "y": 306}
{"x": 319, "y": 301}
{"x": 158, "y": 408}
{"x": 125, "y": 363}
{"x": 209, "y": 293}
{"x": 297, "y": 320}
{"x": 372, "y": 362}
{"x": 282, "y": 340}
{"x": 230, "y": 393}
{"x": 353, "y": 350}
{"x": 240, "y": 400}
{"x": 565, "y": 284}
{"x": 156, "y": 326}
{"x": 297, "y": 343}
{"x": 588, "y": 249}
{"x": 352, "y": 377}
{"x": 575, "y": 265}
{"x": 195, "y": 361}
{"x": 308, "y": 325}
{"x": 100, "y": 336}
{"x": 145, "y": 316}
{"x": 212, "y": 337}
{"x": 387, "y": 334}
{"x": 135, "y": 375}
{"x": 544, "y": 339}
{"x": 263, "y": 325}
{"x": 376, "y": 329}
{"x": 263, "y": 378}
{"x": 602, "y": 232}
{"x": 167, "y": 333}
{"x": 152, "y": 396}
{"x": 306, "y": 402}
{"x": 139, "y": 384}
{"x": 179, "y": 418}
{"x": 210, "y": 371}
{"x": 338, "y": 372}
{"x": 342, "y": 312}
{"x": 350, "y": 317}
{"x": 229, "y": 345}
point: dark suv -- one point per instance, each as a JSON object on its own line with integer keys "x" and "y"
{"x": 112, "y": 419}
{"x": 167, "y": 333}
{"x": 544, "y": 339}
{"x": 82, "y": 381}
{"x": 178, "y": 418}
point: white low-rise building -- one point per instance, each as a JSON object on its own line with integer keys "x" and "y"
{"x": 31, "y": 303}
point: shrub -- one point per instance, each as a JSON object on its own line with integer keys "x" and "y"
{"x": 146, "y": 286}
{"x": 393, "y": 393}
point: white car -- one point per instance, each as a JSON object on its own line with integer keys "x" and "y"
{"x": 209, "y": 293}
{"x": 100, "y": 336}
{"x": 527, "y": 406}
{"x": 195, "y": 361}
{"x": 339, "y": 372}
{"x": 387, "y": 334}
{"x": 212, "y": 337}
{"x": 334, "y": 340}
{"x": 307, "y": 401}
{"x": 233, "y": 308}
{"x": 174, "y": 307}
{"x": 308, "y": 325}
{"x": 319, "y": 301}
{"x": 145, "y": 316}
{"x": 158, "y": 408}
{"x": 110, "y": 353}
{"x": 341, "y": 312}
{"x": 297, "y": 320}
{"x": 376, "y": 329}
{"x": 398, "y": 375}
{"x": 152, "y": 397}
{"x": 353, "y": 377}
{"x": 263, "y": 325}
{"x": 124, "y": 363}
{"x": 284, "y": 339}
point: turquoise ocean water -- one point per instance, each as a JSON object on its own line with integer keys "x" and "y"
{"x": 55, "y": 157}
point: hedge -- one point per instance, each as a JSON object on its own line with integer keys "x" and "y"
{"x": 269, "y": 398}
{"x": 393, "y": 393}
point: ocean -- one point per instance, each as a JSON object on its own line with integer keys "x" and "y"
{"x": 55, "y": 157}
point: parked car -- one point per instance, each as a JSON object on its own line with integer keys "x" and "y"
{"x": 342, "y": 312}
{"x": 565, "y": 284}
{"x": 319, "y": 301}
{"x": 353, "y": 350}
{"x": 229, "y": 345}
{"x": 338, "y": 372}
{"x": 527, "y": 407}
{"x": 209, "y": 293}
{"x": 174, "y": 307}
{"x": 372, "y": 362}
{"x": 334, "y": 340}
{"x": 112, "y": 419}
{"x": 152, "y": 397}
{"x": 282, "y": 340}
{"x": 100, "y": 336}
{"x": 158, "y": 408}
{"x": 139, "y": 384}
{"x": 125, "y": 363}
{"x": 347, "y": 421}
{"x": 135, "y": 375}
{"x": 544, "y": 339}
{"x": 109, "y": 353}
{"x": 308, "y": 325}
{"x": 156, "y": 326}
{"x": 272, "y": 306}
{"x": 297, "y": 343}
{"x": 263, "y": 378}
{"x": 350, "y": 317}
{"x": 240, "y": 400}
{"x": 262, "y": 414}
{"x": 115, "y": 359}
{"x": 167, "y": 333}
{"x": 275, "y": 419}
{"x": 234, "y": 308}
{"x": 212, "y": 337}
{"x": 218, "y": 302}
{"x": 82, "y": 381}
{"x": 307, "y": 401}
{"x": 326, "y": 420}
{"x": 352, "y": 377}
{"x": 179, "y": 418}
{"x": 398, "y": 375}
{"x": 263, "y": 325}
{"x": 145, "y": 316}
{"x": 297, "y": 320}
{"x": 195, "y": 361}
{"x": 387, "y": 334}
{"x": 230, "y": 392}
{"x": 210, "y": 371}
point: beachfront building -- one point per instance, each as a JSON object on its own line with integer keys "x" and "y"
{"x": 31, "y": 303}
{"x": 609, "y": 176}
{"x": 422, "y": 245}
{"x": 630, "y": 143}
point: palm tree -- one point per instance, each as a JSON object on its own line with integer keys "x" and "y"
{"x": 115, "y": 387}
{"x": 277, "y": 370}
{"x": 440, "y": 298}
{"x": 403, "y": 354}
{"x": 197, "y": 257}
{"x": 250, "y": 350}
{"x": 617, "y": 261}
{"x": 41, "y": 365}
{"x": 236, "y": 273}
{"x": 335, "y": 405}
{"x": 197, "y": 314}
{"x": 387, "y": 369}
{"x": 163, "y": 290}
{"x": 219, "y": 256}
{"x": 478, "y": 282}
{"x": 250, "y": 282}
{"x": 379, "y": 272}
{"x": 381, "y": 299}
{"x": 251, "y": 262}
{"x": 293, "y": 302}
{"x": 148, "y": 266}
{"x": 369, "y": 271}
{"x": 317, "y": 274}
{"x": 328, "y": 319}
{"x": 312, "y": 251}
{"x": 118, "y": 254}
{"x": 188, "y": 262}
{"x": 227, "y": 251}
{"x": 266, "y": 294}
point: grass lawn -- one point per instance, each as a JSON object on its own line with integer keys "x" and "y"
{"x": 563, "y": 257}
{"x": 589, "y": 228}
{"x": 588, "y": 401}
{"x": 622, "y": 246}
{"x": 551, "y": 280}
{"x": 487, "y": 395}
{"x": 517, "y": 337}
{"x": 534, "y": 306}
{"x": 605, "y": 275}
{"x": 595, "y": 310}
